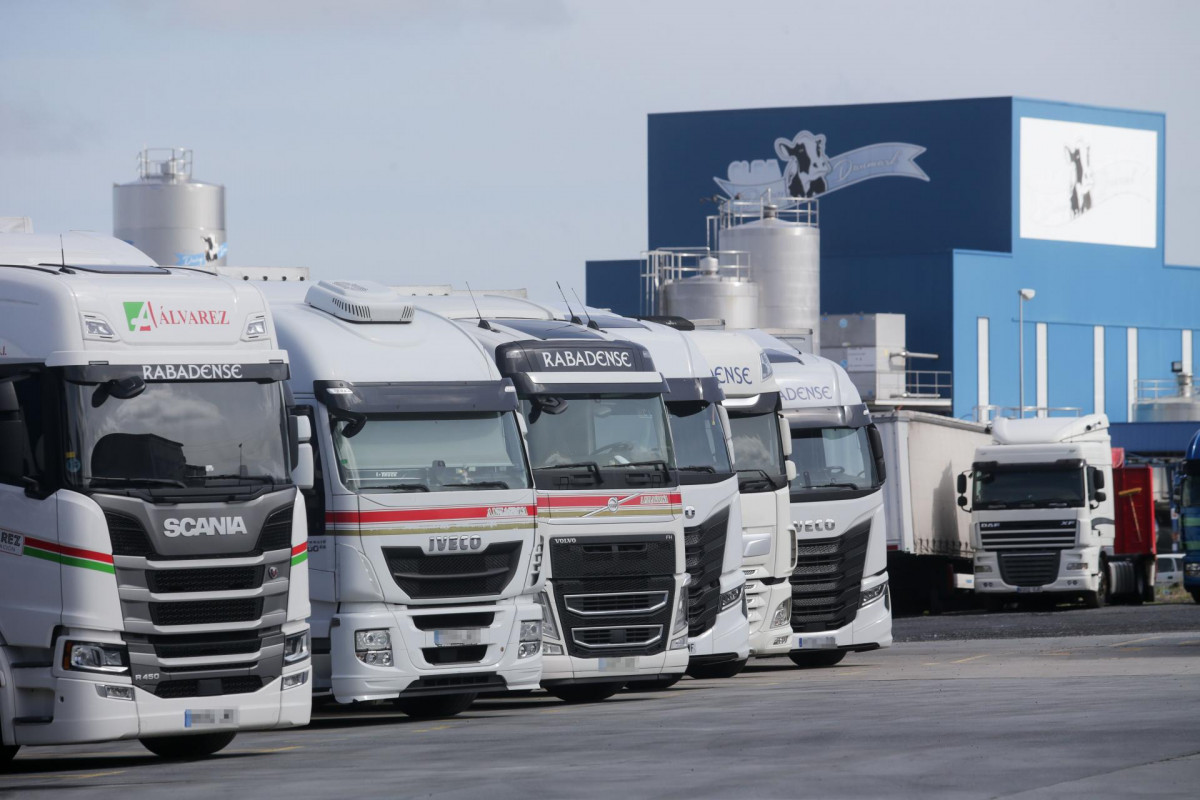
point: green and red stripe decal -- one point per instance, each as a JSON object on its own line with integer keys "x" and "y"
{"x": 299, "y": 553}
{"x": 68, "y": 556}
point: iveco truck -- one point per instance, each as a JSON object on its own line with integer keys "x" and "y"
{"x": 718, "y": 643}
{"x": 615, "y": 606}
{"x": 840, "y": 599}
{"x": 425, "y": 559}
{"x": 152, "y": 543}
{"x": 1042, "y": 518}
{"x": 761, "y": 446}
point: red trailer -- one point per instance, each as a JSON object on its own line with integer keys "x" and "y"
{"x": 1132, "y": 559}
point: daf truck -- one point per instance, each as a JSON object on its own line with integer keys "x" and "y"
{"x": 1042, "y": 517}
{"x": 608, "y": 494}
{"x": 761, "y": 446}
{"x": 152, "y": 543}
{"x": 425, "y": 558}
{"x": 718, "y": 633}
{"x": 840, "y": 597}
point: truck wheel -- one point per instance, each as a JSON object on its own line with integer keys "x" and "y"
{"x": 726, "y": 669}
{"x": 1195, "y": 595}
{"x": 584, "y": 692}
{"x": 992, "y": 604}
{"x": 188, "y": 746}
{"x": 823, "y": 658}
{"x": 440, "y": 705}
{"x": 1100, "y": 597}
{"x": 7, "y": 751}
{"x": 654, "y": 684}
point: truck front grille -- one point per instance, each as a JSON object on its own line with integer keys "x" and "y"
{"x": 612, "y": 556}
{"x": 208, "y": 687}
{"x": 603, "y": 641}
{"x": 204, "y": 645}
{"x": 426, "y": 577}
{"x": 613, "y": 612}
{"x": 704, "y": 546}
{"x": 206, "y": 612}
{"x": 127, "y": 535}
{"x": 827, "y": 580}
{"x": 204, "y": 579}
{"x": 1030, "y": 568}
{"x": 463, "y": 654}
{"x": 1024, "y": 534}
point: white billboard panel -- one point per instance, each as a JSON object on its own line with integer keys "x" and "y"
{"x": 1088, "y": 183}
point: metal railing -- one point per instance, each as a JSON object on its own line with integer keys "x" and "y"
{"x": 1156, "y": 388}
{"x": 667, "y": 264}
{"x": 165, "y": 163}
{"x": 734, "y": 212}
{"x": 928, "y": 383}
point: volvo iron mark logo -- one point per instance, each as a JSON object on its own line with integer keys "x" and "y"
{"x": 815, "y": 525}
{"x": 447, "y": 544}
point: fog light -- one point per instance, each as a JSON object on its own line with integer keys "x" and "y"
{"x": 296, "y": 679}
{"x": 531, "y": 631}
{"x": 1076, "y": 566}
{"x": 375, "y": 658}
{"x": 295, "y": 648}
{"x": 114, "y": 692}
{"x": 873, "y": 594}
{"x": 549, "y": 649}
{"x": 781, "y": 640}
{"x": 528, "y": 649}
{"x": 549, "y": 629}
{"x": 783, "y": 614}
{"x": 982, "y": 568}
{"x": 734, "y": 595}
{"x": 679, "y": 643}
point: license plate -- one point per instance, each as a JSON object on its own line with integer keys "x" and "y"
{"x": 624, "y": 664}
{"x": 456, "y": 637}
{"x": 204, "y": 717}
{"x": 1028, "y": 589}
{"x": 815, "y": 642}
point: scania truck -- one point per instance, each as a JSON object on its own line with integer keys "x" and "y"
{"x": 152, "y": 543}
{"x": 425, "y": 558}
{"x": 1042, "y": 518}
{"x": 719, "y": 636}
{"x": 608, "y": 497}
{"x": 761, "y": 446}
{"x": 840, "y": 599}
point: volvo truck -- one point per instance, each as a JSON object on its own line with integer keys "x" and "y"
{"x": 152, "y": 544}
{"x": 1041, "y": 513}
{"x": 425, "y": 558}
{"x": 761, "y": 446}
{"x": 1188, "y": 501}
{"x": 608, "y": 495}
{"x": 840, "y": 596}
{"x": 718, "y": 633}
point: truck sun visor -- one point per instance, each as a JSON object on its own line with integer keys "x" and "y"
{"x": 416, "y": 398}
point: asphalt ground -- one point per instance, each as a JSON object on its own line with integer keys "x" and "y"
{"x": 1096, "y": 715}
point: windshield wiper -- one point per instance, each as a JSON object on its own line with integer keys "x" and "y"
{"x": 697, "y": 468}
{"x": 256, "y": 478}
{"x": 399, "y": 487}
{"x": 834, "y": 486}
{"x": 656, "y": 463}
{"x": 477, "y": 484}
{"x": 749, "y": 481}
{"x": 590, "y": 466}
{"x": 142, "y": 481}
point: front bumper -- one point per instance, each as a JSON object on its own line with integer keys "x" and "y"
{"x": 870, "y": 630}
{"x": 570, "y": 669}
{"x": 762, "y": 600}
{"x": 730, "y": 634}
{"x": 989, "y": 580}
{"x": 352, "y": 680}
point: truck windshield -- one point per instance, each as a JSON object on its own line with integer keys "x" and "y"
{"x": 699, "y": 441}
{"x": 599, "y": 440}
{"x": 429, "y": 452}
{"x": 177, "y": 437}
{"x": 758, "y": 452}
{"x": 1191, "y": 490}
{"x": 834, "y": 460}
{"x": 1028, "y": 486}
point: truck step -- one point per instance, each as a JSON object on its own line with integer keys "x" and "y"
{"x": 32, "y": 720}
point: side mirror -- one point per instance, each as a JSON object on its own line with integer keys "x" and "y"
{"x": 1098, "y": 478}
{"x": 785, "y": 435}
{"x": 790, "y": 469}
{"x": 303, "y": 472}
{"x": 877, "y": 452}
{"x": 1101, "y": 497}
{"x": 962, "y": 485}
{"x": 962, "y": 502}
{"x": 293, "y": 427}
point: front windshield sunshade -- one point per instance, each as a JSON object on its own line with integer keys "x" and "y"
{"x": 832, "y": 459}
{"x": 379, "y": 453}
{"x": 758, "y": 452}
{"x": 599, "y": 439}
{"x": 1013, "y": 487}
{"x": 176, "y": 436}
{"x": 699, "y": 438}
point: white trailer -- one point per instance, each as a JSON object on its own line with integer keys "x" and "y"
{"x": 152, "y": 544}
{"x": 929, "y": 542}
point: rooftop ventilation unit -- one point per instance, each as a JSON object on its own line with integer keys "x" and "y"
{"x": 359, "y": 301}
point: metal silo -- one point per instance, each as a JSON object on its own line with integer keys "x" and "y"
{"x": 783, "y": 243}
{"x": 177, "y": 221}
{"x": 699, "y": 283}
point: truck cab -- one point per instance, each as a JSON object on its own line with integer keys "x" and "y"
{"x": 1189, "y": 517}
{"x": 425, "y": 557}
{"x": 840, "y": 597}
{"x": 608, "y": 498}
{"x": 152, "y": 545}
{"x": 761, "y": 446}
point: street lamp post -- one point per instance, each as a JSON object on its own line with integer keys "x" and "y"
{"x": 1022, "y": 296}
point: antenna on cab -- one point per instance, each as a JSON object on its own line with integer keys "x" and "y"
{"x": 574, "y": 319}
{"x": 483, "y": 323}
{"x": 591, "y": 322}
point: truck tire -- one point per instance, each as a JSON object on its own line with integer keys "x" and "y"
{"x": 1148, "y": 582}
{"x": 726, "y": 669}
{"x": 991, "y": 603}
{"x": 654, "y": 684}
{"x": 196, "y": 745}
{"x": 821, "y": 658}
{"x": 1100, "y": 597}
{"x": 1195, "y": 595}
{"x": 584, "y": 692}
{"x": 439, "y": 705}
{"x": 7, "y": 751}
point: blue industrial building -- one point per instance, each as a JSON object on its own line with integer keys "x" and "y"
{"x": 943, "y": 211}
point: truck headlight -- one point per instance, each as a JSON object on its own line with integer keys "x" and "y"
{"x": 550, "y": 649}
{"x": 734, "y": 595}
{"x": 681, "y": 614}
{"x": 873, "y": 594}
{"x": 679, "y": 643}
{"x": 95, "y": 657}
{"x": 549, "y": 629}
{"x": 374, "y": 647}
{"x": 531, "y": 631}
{"x": 1076, "y": 566}
{"x": 783, "y": 614}
{"x": 1192, "y": 569}
{"x": 295, "y": 648}
{"x": 982, "y": 568}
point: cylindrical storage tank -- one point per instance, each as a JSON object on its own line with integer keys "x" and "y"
{"x": 785, "y": 262}
{"x": 710, "y": 297}
{"x": 177, "y": 221}
{"x": 1167, "y": 409}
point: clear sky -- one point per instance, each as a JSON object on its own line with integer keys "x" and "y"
{"x": 504, "y": 143}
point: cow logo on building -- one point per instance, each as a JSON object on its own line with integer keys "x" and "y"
{"x": 809, "y": 171}
{"x": 1082, "y": 182}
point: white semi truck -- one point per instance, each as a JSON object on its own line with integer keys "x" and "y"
{"x": 1043, "y": 521}
{"x": 425, "y": 560}
{"x": 609, "y": 507}
{"x": 840, "y": 597}
{"x": 719, "y": 636}
{"x": 152, "y": 543}
{"x": 761, "y": 446}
